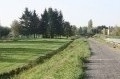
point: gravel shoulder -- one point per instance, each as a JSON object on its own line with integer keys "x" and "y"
{"x": 104, "y": 62}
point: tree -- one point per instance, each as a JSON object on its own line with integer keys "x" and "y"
{"x": 90, "y": 26}
{"x": 34, "y": 24}
{"x": 4, "y": 31}
{"x": 74, "y": 30}
{"x": 51, "y": 22}
{"x": 15, "y": 27}
{"x": 116, "y": 31}
{"x": 80, "y": 31}
{"x": 49, "y": 26}
{"x": 44, "y": 24}
{"x": 55, "y": 23}
{"x": 100, "y": 28}
{"x": 84, "y": 31}
{"x": 25, "y": 21}
{"x": 59, "y": 23}
{"x": 67, "y": 29}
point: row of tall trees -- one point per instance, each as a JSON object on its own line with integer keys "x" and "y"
{"x": 29, "y": 23}
{"x": 50, "y": 25}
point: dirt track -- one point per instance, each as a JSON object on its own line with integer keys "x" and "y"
{"x": 104, "y": 62}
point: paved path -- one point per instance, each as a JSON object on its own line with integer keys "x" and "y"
{"x": 104, "y": 62}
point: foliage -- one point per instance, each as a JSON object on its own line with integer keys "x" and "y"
{"x": 83, "y": 31}
{"x": 34, "y": 24}
{"x": 44, "y": 24}
{"x": 90, "y": 27}
{"x": 25, "y": 21}
{"x": 67, "y": 29}
{"x": 15, "y": 28}
{"x": 52, "y": 23}
{"x": 98, "y": 29}
{"x": 74, "y": 30}
{"x": 90, "y": 24}
{"x": 95, "y": 30}
{"x": 30, "y": 23}
{"x": 115, "y": 31}
{"x": 4, "y": 31}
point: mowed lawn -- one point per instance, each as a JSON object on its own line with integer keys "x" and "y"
{"x": 16, "y": 54}
{"x": 67, "y": 64}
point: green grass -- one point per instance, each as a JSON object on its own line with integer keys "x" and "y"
{"x": 14, "y": 54}
{"x": 67, "y": 64}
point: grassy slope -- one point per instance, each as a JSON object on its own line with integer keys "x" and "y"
{"x": 16, "y": 54}
{"x": 64, "y": 65}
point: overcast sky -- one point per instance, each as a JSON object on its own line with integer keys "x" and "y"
{"x": 77, "y": 12}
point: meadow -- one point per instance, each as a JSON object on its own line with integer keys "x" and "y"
{"x": 67, "y": 64}
{"x": 14, "y": 54}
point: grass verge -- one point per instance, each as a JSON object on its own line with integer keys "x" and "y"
{"x": 15, "y": 56}
{"x": 67, "y": 64}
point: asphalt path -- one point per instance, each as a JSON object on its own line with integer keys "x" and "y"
{"x": 104, "y": 62}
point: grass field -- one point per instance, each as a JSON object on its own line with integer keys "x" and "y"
{"x": 14, "y": 54}
{"x": 67, "y": 64}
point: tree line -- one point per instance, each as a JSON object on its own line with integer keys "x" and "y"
{"x": 91, "y": 31}
{"x": 50, "y": 25}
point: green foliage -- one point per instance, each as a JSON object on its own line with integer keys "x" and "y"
{"x": 15, "y": 28}
{"x": 83, "y": 31}
{"x": 35, "y": 24}
{"x": 99, "y": 29}
{"x": 4, "y": 31}
{"x": 52, "y": 23}
{"x": 80, "y": 31}
{"x": 30, "y": 23}
{"x": 94, "y": 30}
{"x": 74, "y": 30}
{"x": 69, "y": 30}
{"x": 44, "y": 24}
{"x": 26, "y": 22}
{"x": 59, "y": 23}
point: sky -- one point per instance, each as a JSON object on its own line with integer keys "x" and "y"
{"x": 77, "y": 12}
